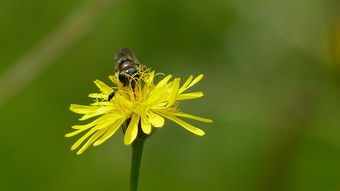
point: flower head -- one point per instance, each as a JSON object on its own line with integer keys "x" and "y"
{"x": 142, "y": 105}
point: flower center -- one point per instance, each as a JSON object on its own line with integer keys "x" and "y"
{"x": 141, "y": 108}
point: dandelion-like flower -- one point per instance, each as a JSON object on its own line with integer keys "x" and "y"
{"x": 141, "y": 105}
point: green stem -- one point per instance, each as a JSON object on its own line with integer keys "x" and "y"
{"x": 137, "y": 150}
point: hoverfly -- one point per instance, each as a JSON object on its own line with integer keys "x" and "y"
{"x": 127, "y": 65}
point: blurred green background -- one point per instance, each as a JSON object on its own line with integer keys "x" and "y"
{"x": 272, "y": 86}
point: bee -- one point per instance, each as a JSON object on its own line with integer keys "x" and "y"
{"x": 127, "y": 65}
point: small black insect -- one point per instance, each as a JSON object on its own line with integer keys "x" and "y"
{"x": 111, "y": 95}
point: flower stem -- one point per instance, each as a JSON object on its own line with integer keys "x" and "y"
{"x": 137, "y": 150}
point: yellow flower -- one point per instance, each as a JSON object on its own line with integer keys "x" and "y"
{"x": 142, "y": 103}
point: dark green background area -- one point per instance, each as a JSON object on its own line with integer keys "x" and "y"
{"x": 272, "y": 87}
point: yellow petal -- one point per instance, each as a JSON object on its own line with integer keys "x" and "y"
{"x": 91, "y": 140}
{"x": 174, "y": 92}
{"x": 103, "y": 87}
{"x": 123, "y": 102}
{"x": 161, "y": 92}
{"x": 157, "y": 96}
{"x": 132, "y": 130}
{"x": 163, "y": 81}
{"x": 91, "y": 124}
{"x": 184, "y": 124}
{"x": 102, "y": 103}
{"x": 160, "y": 85}
{"x": 149, "y": 77}
{"x": 146, "y": 125}
{"x": 110, "y": 132}
{"x": 98, "y": 111}
{"x": 99, "y": 95}
{"x": 185, "y": 115}
{"x": 105, "y": 124}
{"x": 162, "y": 104}
{"x": 82, "y": 109}
{"x": 186, "y": 84}
{"x": 192, "y": 95}
{"x": 81, "y": 128}
{"x": 148, "y": 82}
{"x": 76, "y": 144}
{"x": 155, "y": 119}
{"x": 197, "y": 79}
{"x": 75, "y": 132}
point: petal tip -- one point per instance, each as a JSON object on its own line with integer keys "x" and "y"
{"x": 128, "y": 141}
{"x": 82, "y": 118}
{"x": 71, "y": 107}
{"x": 200, "y": 133}
{"x": 97, "y": 143}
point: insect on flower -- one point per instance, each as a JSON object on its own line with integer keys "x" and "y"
{"x": 127, "y": 65}
{"x": 136, "y": 102}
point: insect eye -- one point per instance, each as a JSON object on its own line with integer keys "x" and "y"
{"x": 123, "y": 78}
{"x": 130, "y": 71}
